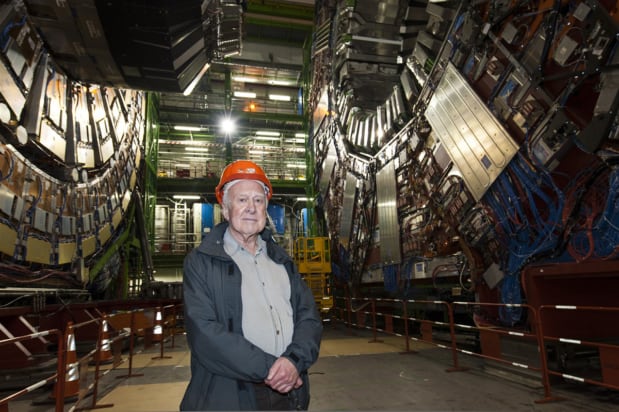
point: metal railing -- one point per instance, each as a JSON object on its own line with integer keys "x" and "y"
{"x": 417, "y": 321}
{"x": 78, "y": 380}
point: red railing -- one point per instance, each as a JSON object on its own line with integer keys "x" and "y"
{"x": 137, "y": 322}
{"x": 59, "y": 401}
{"x": 365, "y": 314}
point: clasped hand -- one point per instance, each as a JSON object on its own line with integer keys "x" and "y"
{"x": 283, "y": 376}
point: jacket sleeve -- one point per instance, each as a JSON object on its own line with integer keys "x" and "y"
{"x": 305, "y": 346}
{"x": 209, "y": 332}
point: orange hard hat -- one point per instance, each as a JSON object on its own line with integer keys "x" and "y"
{"x": 242, "y": 169}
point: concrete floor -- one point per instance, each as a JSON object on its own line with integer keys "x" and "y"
{"x": 354, "y": 372}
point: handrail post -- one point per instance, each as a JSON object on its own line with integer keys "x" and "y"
{"x": 61, "y": 369}
{"x": 373, "y": 302}
{"x": 452, "y": 332}
{"x": 162, "y": 342}
{"x": 131, "y": 348}
{"x": 405, "y": 315}
{"x": 539, "y": 332}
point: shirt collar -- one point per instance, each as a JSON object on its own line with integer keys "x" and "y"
{"x": 232, "y": 247}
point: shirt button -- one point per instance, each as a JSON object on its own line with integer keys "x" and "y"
{"x": 278, "y": 332}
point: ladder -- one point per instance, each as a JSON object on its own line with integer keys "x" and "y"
{"x": 179, "y": 227}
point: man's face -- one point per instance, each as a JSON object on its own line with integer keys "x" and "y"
{"x": 245, "y": 208}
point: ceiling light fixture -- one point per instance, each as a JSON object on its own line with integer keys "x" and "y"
{"x": 279, "y": 97}
{"x": 280, "y": 82}
{"x": 187, "y": 128}
{"x": 270, "y": 138}
{"x": 300, "y": 135}
{"x": 196, "y": 149}
{"x": 187, "y": 197}
{"x": 267, "y": 133}
{"x": 245, "y": 79}
{"x": 248, "y": 95}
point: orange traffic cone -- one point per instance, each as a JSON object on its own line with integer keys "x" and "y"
{"x": 158, "y": 328}
{"x": 72, "y": 375}
{"x": 104, "y": 354}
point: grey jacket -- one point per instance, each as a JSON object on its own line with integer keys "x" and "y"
{"x": 223, "y": 362}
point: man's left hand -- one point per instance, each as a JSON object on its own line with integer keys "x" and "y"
{"x": 283, "y": 376}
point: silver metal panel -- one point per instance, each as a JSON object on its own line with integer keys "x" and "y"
{"x": 19, "y": 208}
{"x": 52, "y": 140}
{"x": 327, "y": 168}
{"x": 68, "y": 225}
{"x": 86, "y": 156}
{"x": 365, "y": 131}
{"x": 87, "y": 220}
{"x": 40, "y": 216}
{"x": 6, "y": 200}
{"x": 476, "y": 142}
{"x": 10, "y": 92}
{"x": 380, "y": 120}
{"x": 389, "y": 228}
{"x": 388, "y": 115}
{"x": 347, "y": 208}
{"x": 102, "y": 212}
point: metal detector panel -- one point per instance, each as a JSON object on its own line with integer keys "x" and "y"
{"x": 347, "y": 208}
{"x": 387, "y": 195}
{"x": 476, "y": 142}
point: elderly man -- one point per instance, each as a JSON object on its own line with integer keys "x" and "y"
{"x": 251, "y": 321}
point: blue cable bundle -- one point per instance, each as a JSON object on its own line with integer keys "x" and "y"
{"x": 390, "y": 278}
{"x": 527, "y": 223}
{"x": 605, "y": 232}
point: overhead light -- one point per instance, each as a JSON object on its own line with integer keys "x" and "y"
{"x": 187, "y": 128}
{"x": 196, "y": 149}
{"x": 227, "y": 126}
{"x": 245, "y": 79}
{"x": 280, "y": 97}
{"x": 297, "y": 140}
{"x": 196, "y": 80}
{"x": 182, "y": 165}
{"x": 198, "y": 159}
{"x": 188, "y": 197}
{"x": 296, "y": 166}
{"x": 280, "y": 82}
{"x": 300, "y": 135}
{"x": 267, "y": 133}
{"x": 304, "y": 199}
{"x": 272, "y": 139}
{"x": 254, "y": 151}
{"x": 248, "y": 95}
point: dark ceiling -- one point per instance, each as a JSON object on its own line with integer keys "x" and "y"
{"x": 214, "y": 48}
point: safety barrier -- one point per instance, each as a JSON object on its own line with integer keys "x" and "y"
{"x": 608, "y": 353}
{"x": 60, "y": 372}
{"x": 78, "y": 381}
{"x": 489, "y": 335}
{"x": 165, "y": 325}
